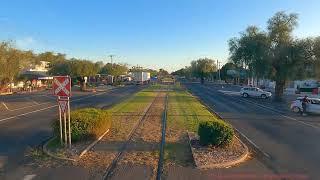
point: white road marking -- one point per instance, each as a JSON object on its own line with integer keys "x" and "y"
{"x": 276, "y": 111}
{"x": 12, "y": 117}
{"x": 28, "y": 106}
{"x": 280, "y": 113}
{"x": 249, "y": 140}
{"x": 29, "y": 177}
{"x": 35, "y": 102}
{"x": 31, "y": 112}
{"x": 50, "y": 97}
{"x": 230, "y": 92}
{"x": 4, "y": 104}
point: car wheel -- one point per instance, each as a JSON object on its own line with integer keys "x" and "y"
{"x": 245, "y": 95}
{"x": 296, "y": 109}
{"x": 263, "y": 96}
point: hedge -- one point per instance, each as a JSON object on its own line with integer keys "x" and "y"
{"x": 86, "y": 123}
{"x": 215, "y": 132}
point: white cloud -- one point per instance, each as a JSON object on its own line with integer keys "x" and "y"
{"x": 26, "y": 43}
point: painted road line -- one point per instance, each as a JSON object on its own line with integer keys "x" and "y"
{"x": 230, "y": 92}
{"x": 274, "y": 110}
{"x": 28, "y": 106}
{"x": 278, "y": 112}
{"x": 242, "y": 134}
{"x": 4, "y": 104}
{"x": 29, "y": 177}
{"x": 12, "y": 117}
{"x": 35, "y": 102}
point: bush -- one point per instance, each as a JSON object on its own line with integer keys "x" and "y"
{"x": 86, "y": 123}
{"x": 215, "y": 133}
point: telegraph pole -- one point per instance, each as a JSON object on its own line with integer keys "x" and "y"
{"x": 111, "y": 57}
{"x": 218, "y": 65}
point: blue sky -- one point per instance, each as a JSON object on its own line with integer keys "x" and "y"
{"x": 152, "y": 33}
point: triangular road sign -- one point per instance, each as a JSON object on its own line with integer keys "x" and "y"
{"x": 63, "y": 105}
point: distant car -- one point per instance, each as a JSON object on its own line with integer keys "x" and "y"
{"x": 312, "y": 107}
{"x": 254, "y": 92}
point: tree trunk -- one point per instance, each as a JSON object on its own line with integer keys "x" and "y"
{"x": 279, "y": 90}
{"x": 83, "y": 86}
{"x": 202, "y": 80}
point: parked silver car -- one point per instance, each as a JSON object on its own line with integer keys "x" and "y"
{"x": 254, "y": 92}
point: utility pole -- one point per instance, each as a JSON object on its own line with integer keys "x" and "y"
{"x": 111, "y": 57}
{"x": 218, "y": 65}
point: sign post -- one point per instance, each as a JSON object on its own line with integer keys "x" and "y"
{"x": 62, "y": 88}
{"x": 60, "y": 123}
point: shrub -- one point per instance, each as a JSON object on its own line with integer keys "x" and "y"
{"x": 86, "y": 123}
{"x": 215, "y": 133}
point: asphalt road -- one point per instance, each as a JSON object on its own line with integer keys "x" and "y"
{"x": 26, "y": 119}
{"x": 289, "y": 142}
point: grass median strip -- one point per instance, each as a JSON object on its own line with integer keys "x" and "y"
{"x": 124, "y": 117}
{"x": 185, "y": 114}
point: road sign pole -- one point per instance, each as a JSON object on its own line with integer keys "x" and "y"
{"x": 69, "y": 122}
{"x": 65, "y": 128}
{"x": 60, "y": 123}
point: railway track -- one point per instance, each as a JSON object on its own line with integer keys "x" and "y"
{"x": 110, "y": 171}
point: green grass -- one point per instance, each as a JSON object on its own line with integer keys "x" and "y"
{"x": 54, "y": 143}
{"x": 178, "y": 152}
{"x": 137, "y": 102}
{"x": 185, "y": 111}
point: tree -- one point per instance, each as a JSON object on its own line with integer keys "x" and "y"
{"x": 316, "y": 50}
{"x": 162, "y": 73}
{"x": 75, "y": 68}
{"x": 250, "y": 51}
{"x": 51, "y": 57}
{"x": 202, "y": 67}
{"x": 114, "y": 69}
{"x": 183, "y": 72}
{"x": 282, "y": 49}
{"x": 275, "y": 54}
{"x": 224, "y": 69}
{"x": 60, "y": 69}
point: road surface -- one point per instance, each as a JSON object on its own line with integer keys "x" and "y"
{"x": 26, "y": 121}
{"x": 290, "y": 142}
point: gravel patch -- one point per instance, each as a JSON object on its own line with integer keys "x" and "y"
{"x": 143, "y": 148}
{"x": 206, "y": 156}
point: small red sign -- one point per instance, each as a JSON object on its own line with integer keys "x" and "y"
{"x": 62, "y": 86}
{"x": 63, "y": 104}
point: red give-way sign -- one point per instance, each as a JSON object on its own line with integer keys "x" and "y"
{"x": 62, "y": 86}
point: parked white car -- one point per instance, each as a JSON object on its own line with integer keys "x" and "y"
{"x": 312, "y": 107}
{"x": 254, "y": 92}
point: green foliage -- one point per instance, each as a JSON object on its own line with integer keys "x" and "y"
{"x": 86, "y": 123}
{"x": 251, "y": 51}
{"x": 215, "y": 133}
{"x": 276, "y": 54}
{"x": 13, "y": 61}
{"x": 203, "y": 67}
{"x": 183, "y": 72}
{"x": 114, "y": 69}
